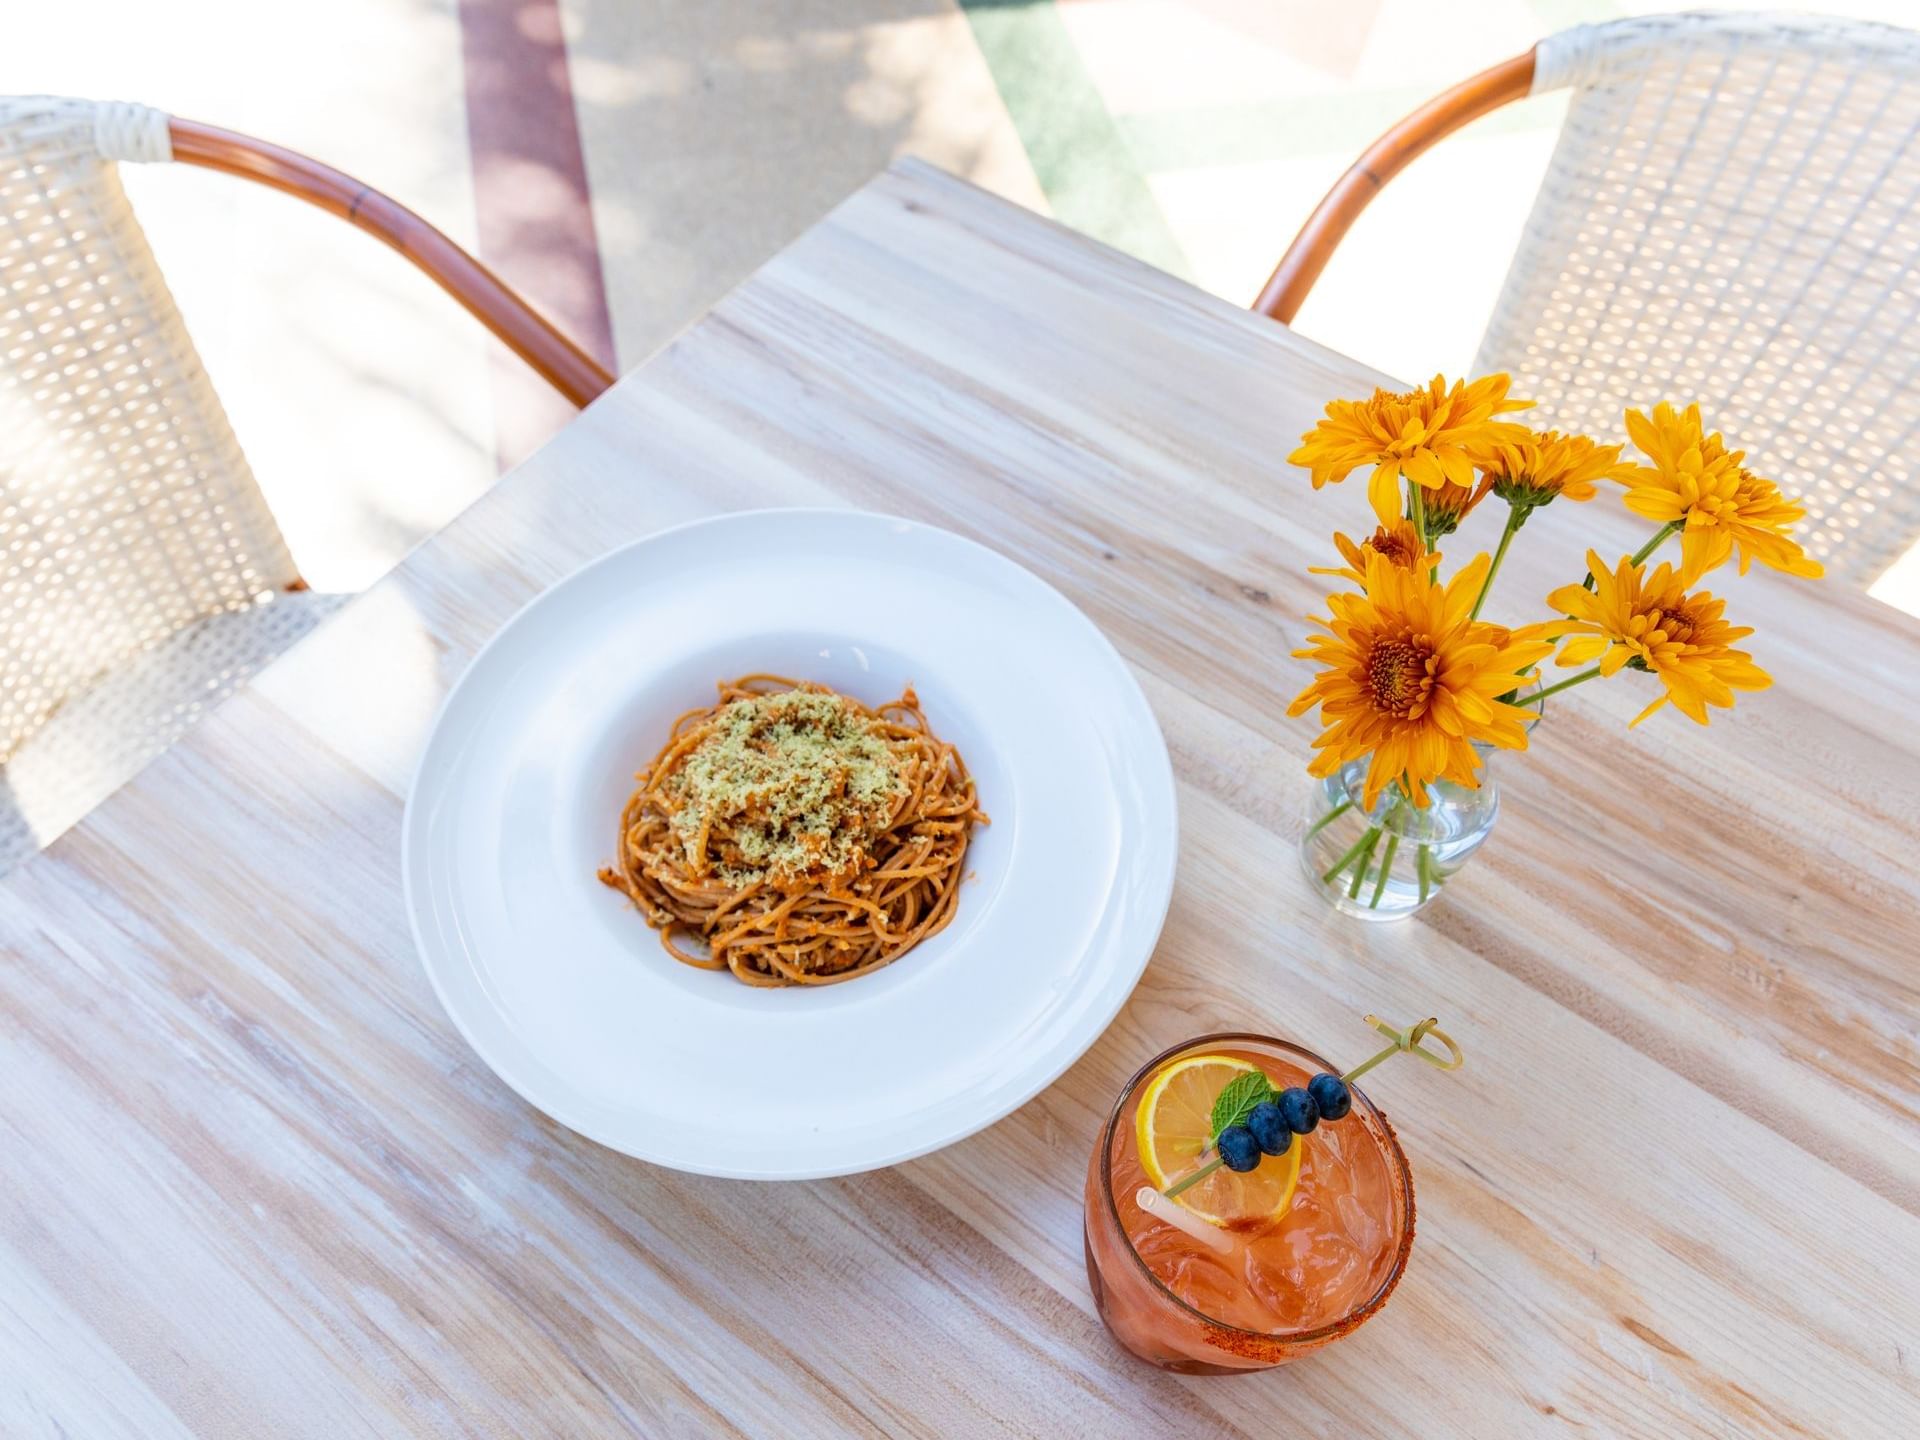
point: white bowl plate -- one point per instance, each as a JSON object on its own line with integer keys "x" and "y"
{"x": 566, "y": 992}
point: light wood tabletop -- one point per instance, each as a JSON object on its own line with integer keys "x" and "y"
{"x": 255, "y": 1185}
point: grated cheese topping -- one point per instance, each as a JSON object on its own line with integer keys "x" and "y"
{"x": 784, "y": 787}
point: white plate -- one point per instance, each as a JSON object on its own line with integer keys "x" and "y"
{"x": 564, "y": 990}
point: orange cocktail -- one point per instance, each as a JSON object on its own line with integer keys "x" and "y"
{"x": 1264, "y": 1288}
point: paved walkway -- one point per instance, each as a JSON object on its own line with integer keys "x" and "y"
{"x": 625, "y": 162}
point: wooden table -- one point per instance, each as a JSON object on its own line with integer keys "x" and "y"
{"x": 256, "y": 1186}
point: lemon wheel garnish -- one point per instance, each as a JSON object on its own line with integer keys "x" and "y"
{"x": 1174, "y": 1125}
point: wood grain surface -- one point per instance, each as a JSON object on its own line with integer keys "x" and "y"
{"x": 255, "y": 1185}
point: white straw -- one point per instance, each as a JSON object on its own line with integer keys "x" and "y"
{"x": 1182, "y": 1219}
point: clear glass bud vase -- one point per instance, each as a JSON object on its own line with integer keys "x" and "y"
{"x": 1387, "y": 862}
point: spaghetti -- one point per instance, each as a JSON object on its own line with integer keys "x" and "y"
{"x": 798, "y": 836}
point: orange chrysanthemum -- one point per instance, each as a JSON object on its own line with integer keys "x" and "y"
{"x": 1397, "y": 542}
{"x": 1432, "y": 436}
{"x": 1649, "y": 622}
{"x": 1695, "y": 479}
{"x": 1410, "y": 679}
{"x": 1536, "y": 471}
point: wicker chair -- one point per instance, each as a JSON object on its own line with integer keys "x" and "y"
{"x": 142, "y": 577}
{"x": 1732, "y": 214}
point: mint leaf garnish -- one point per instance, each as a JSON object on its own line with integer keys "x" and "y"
{"x": 1238, "y": 1097}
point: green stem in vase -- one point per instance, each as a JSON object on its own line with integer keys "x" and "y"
{"x": 1386, "y": 869}
{"x": 1327, "y": 819}
{"x": 1347, "y": 859}
{"x": 1370, "y": 839}
{"x": 1425, "y": 867}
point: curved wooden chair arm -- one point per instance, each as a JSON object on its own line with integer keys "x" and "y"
{"x": 531, "y": 336}
{"x": 1384, "y": 159}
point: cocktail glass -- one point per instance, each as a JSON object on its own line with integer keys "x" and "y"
{"x": 1281, "y": 1288}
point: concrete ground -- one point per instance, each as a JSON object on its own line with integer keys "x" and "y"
{"x": 625, "y": 162}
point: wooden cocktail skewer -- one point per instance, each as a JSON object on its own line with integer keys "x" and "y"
{"x": 1407, "y": 1042}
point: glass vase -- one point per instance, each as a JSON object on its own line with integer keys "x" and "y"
{"x": 1386, "y": 862}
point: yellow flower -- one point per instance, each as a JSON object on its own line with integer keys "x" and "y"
{"x": 1546, "y": 465}
{"x": 1397, "y": 542}
{"x": 1694, "y": 478}
{"x": 1649, "y": 622}
{"x": 1432, "y": 436}
{"x": 1409, "y": 678}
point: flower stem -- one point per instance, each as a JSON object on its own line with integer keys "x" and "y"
{"x": 1370, "y": 839}
{"x": 1645, "y": 550}
{"x": 1417, "y": 512}
{"x": 1386, "y": 869}
{"x": 1348, "y": 858}
{"x": 1425, "y": 867}
{"x": 1516, "y": 517}
{"x": 1659, "y": 535}
{"x": 1567, "y": 684}
{"x": 1327, "y": 819}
